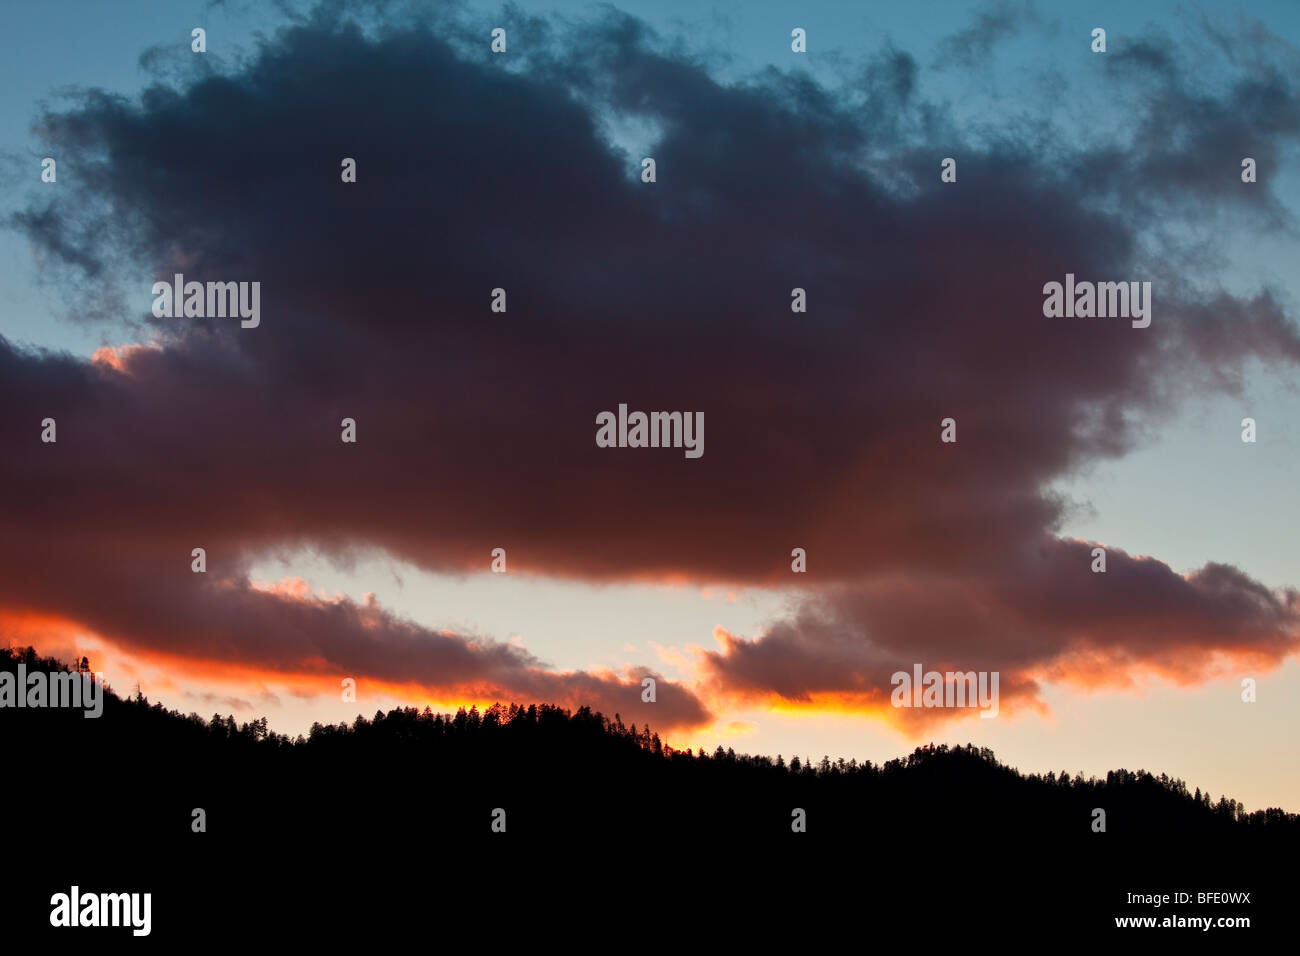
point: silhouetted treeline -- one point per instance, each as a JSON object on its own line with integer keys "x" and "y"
{"x": 556, "y": 771}
{"x": 577, "y": 785}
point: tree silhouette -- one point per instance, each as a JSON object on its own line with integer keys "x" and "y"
{"x": 427, "y": 782}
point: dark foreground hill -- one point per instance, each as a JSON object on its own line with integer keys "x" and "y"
{"x": 406, "y": 802}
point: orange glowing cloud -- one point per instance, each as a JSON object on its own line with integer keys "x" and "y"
{"x": 119, "y": 357}
{"x": 1039, "y": 616}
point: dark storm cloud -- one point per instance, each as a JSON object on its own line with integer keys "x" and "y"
{"x": 476, "y": 429}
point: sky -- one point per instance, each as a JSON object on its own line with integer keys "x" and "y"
{"x": 774, "y": 170}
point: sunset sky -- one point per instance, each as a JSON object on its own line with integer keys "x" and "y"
{"x": 476, "y": 429}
